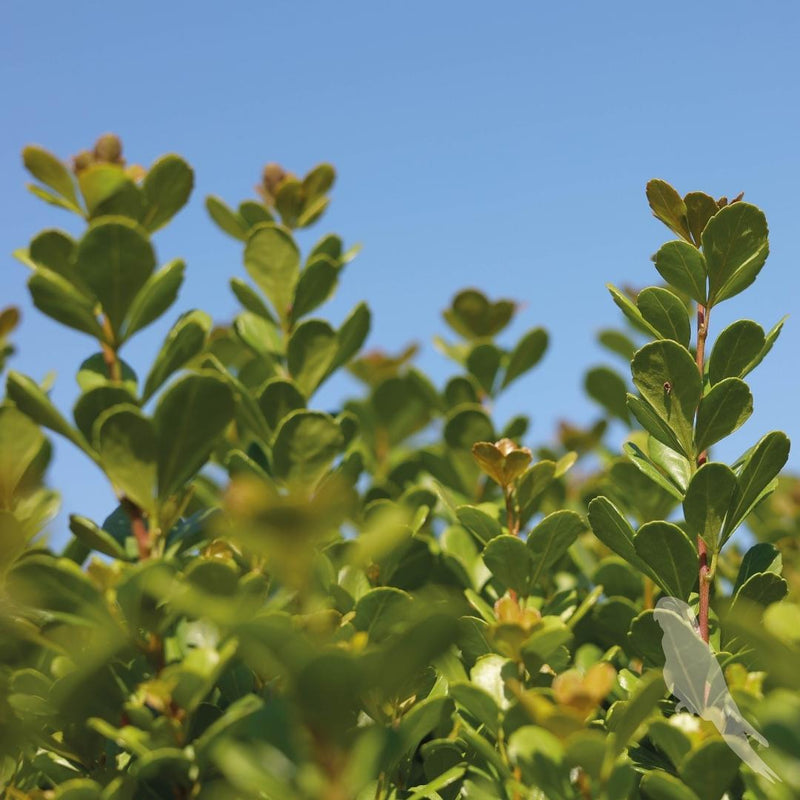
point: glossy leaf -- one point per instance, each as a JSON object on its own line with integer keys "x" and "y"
{"x": 723, "y": 410}
{"x": 666, "y": 313}
{"x": 682, "y": 265}
{"x": 668, "y": 206}
{"x": 735, "y": 349}
{"x": 707, "y": 501}
{"x": 671, "y": 556}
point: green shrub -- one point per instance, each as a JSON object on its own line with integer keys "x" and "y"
{"x": 395, "y": 598}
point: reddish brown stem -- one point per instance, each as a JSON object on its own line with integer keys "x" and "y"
{"x": 138, "y": 527}
{"x": 704, "y": 585}
{"x": 511, "y": 517}
{"x": 110, "y": 354}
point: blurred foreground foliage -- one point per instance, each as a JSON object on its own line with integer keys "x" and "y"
{"x": 398, "y": 597}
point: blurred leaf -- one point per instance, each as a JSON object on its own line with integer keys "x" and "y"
{"x": 761, "y": 557}
{"x": 96, "y": 538}
{"x": 273, "y": 262}
{"x": 668, "y": 206}
{"x": 472, "y": 316}
{"x": 483, "y": 362}
{"x": 608, "y": 389}
{"x": 279, "y": 398}
{"x": 229, "y": 221}
{"x": 93, "y": 372}
{"x": 648, "y": 691}
{"x": 316, "y": 284}
{"x": 466, "y": 425}
{"x": 189, "y": 417}
{"x": 311, "y": 354}
{"x": 526, "y": 355}
{"x": 551, "y": 539}
{"x": 155, "y": 297}
{"x": 167, "y": 186}
{"x": 660, "y": 785}
{"x": 710, "y": 769}
{"x": 20, "y": 443}
{"x": 92, "y": 403}
{"x": 305, "y": 445}
{"x": 59, "y": 299}
{"x": 45, "y": 167}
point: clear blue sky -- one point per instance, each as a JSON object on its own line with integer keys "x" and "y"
{"x": 504, "y": 146}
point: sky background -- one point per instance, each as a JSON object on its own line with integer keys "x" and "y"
{"x": 501, "y": 146}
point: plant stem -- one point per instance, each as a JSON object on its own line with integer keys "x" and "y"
{"x": 511, "y": 518}
{"x": 704, "y": 583}
{"x": 110, "y": 354}
{"x": 138, "y": 527}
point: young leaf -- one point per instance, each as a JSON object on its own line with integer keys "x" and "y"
{"x": 128, "y": 450}
{"x": 630, "y": 310}
{"x": 45, "y": 167}
{"x": 681, "y": 265}
{"x": 184, "y": 341}
{"x": 646, "y": 466}
{"x": 115, "y": 259}
{"x": 166, "y": 187}
{"x": 305, "y": 445}
{"x": 526, "y": 355}
{"x": 735, "y": 245}
{"x": 273, "y": 262}
{"x": 707, "y": 501}
{"x": 723, "y": 410}
{"x": 770, "y": 340}
{"x": 666, "y": 375}
{"x": 736, "y": 348}
{"x": 154, "y": 298}
{"x": 668, "y": 206}
{"x": 666, "y": 313}
{"x": 189, "y": 418}
{"x": 108, "y": 190}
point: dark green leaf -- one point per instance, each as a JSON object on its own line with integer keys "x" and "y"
{"x": 648, "y": 691}
{"x": 723, "y": 410}
{"x": 20, "y": 443}
{"x": 615, "y": 532}
{"x": 305, "y": 445}
{"x": 707, "y": 501}
{"x": 608, "y": 388}
{"x": 629, "y": 309}
{"x": 58, "y": 298}
{"x": 483, "y": 362}
{"x": 96, "y": 538}
{"x": 189, "y": 418}
{"x": 316, "y": 284}
{"x": 466, "y": 425}
{"x": 666, "y": 313}
{"x": 736, "y": 347}
{"x": 279, "y": 398}
{"x": 155, "y": 297}
{"x": 761, "y": 557}
{"x": 617, "y": 342}
{"x": 735, "y": 245}
{"x": 472, "y": 315}
{"x": 710, "y": 769}
{"x": 770, "y": 340}
{"x": 352, "y": 334}
{"x": 667, "y": 377}
{"x": 481, "y": 525}
{"x": 229, "y": 221}
{"x": 650, "y": 469}
{"x": 108, "y": 190}
{"x": 671, "y": 556}
{"x": 682, "y": 265}
{"x": 660, "y": 785}
{"x": 510, "y": 562}
{"x": 551, "y": 539}
{"x": 311, "y": 353}
{"x": 56, "y": 251}
{"x": 249, "y": 298}
{"x": 668, "y": 206}
{"x": 94, "y": 372}
{"x": 94, "y": 401}
{"x": 763, "y": 588}
{"x": 700, "y": 207}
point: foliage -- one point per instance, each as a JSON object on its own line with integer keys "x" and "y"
{"x": 395, "y": 598}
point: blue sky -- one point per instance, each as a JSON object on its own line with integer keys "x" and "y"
{"x": 501, "y": 146}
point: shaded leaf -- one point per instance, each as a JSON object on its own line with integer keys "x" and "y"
{"x": 723, "y": 410}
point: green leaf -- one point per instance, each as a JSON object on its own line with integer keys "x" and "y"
{"x": 761, "y": 557}
{"x": 20, "y": 443}
{"x": 770, "y": 340}
{"x": 667, "y": 378}
{"x": 306, "y": 444}
{"x": 763, "y": 588}
{"x": 185, "y": 340}
{"x": 128, "y": 450}
{"x": 319, "y": 180}
{"x": 649, "y": 419}
{"x": 478, "y": 702}
{"x": 402, "y": 405}
{"x": 56, "y": 251}
{"x": 32, "y": 400}
{"x": 311, "y": 353}
{"x": 707, "y": 501}
{"x": 278, "y": 399}
{"x": 483, "y": 362}
{"x": 617, "y": 342}
{"x": 526, "y": 355}
{"x": 735, "y": 245}
{"x": 660, "y": 785}
{"x": 481, "y": 525}
{"x": 316, "y": 284}
{"x": 229, "y": 221}
{"x": 352, "y": 334}
{"x": 700, "y": 207}
{"x": 249, "y": 298}
{"x": 735, "y": 349}
{"x": 630, "y": 310}
{"x": 647, "y": 467}
{"x": 107, "y": 190}
{"x": 45, "y": 167}
{"x": 59, "y": 299}
{"x": 466, "y": 425}
{"x": 155, "y": 297}
{"x": 648, "y": 691}
{"x": 710, "y": 769}
{"x": 551, "y": 538}
{"x": 472, "y": 315}
{"x": 723, "y": 410}
{"x": 666, "y": 313}
{"x": 189, "y": 418}
{"x": 115, "y": 259}
{"x": 166, "y": 187}
{"x": 671, "y": 556}
{"x": 608, "y": 388}
{"x": 273, "y": 262}
{"x": 94, "y": 372}
{"x": 668, "y": 206}
{"x": 682, "y": 265}
{"x": 96, "y": 538}
{"x": 760, "y": 468}
{"x": 254, "y": 213}
{"x": 614, "y": 531}
{"x": 510, "y": 561}
{"x": 97, "y": 399}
